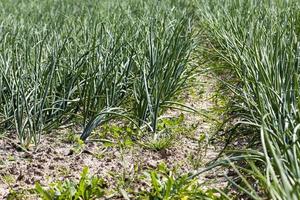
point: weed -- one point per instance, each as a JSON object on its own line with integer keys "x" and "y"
{"x": 166, "y": 184}
{"x": 87, "y": 188}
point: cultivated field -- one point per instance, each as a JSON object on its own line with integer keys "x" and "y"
{"x": 133, "y": 99}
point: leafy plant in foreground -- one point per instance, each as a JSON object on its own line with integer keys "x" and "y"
{"x": 87, "y": 188}
{"x": 165, "y": 184}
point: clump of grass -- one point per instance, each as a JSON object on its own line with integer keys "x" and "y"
{"x": 159, "y": 141}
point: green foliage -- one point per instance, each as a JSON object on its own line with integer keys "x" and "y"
{"x": 168, "y": 129}
{"x": 196, "y": 158}
{"x": 90, "y": 61}
{"x": 87, "y": 188}
{"x": 259, "y": 42}
{"x": 70, "y": 137}
{"x": 19, "y": 194}
{"x": 166, "y": 184}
